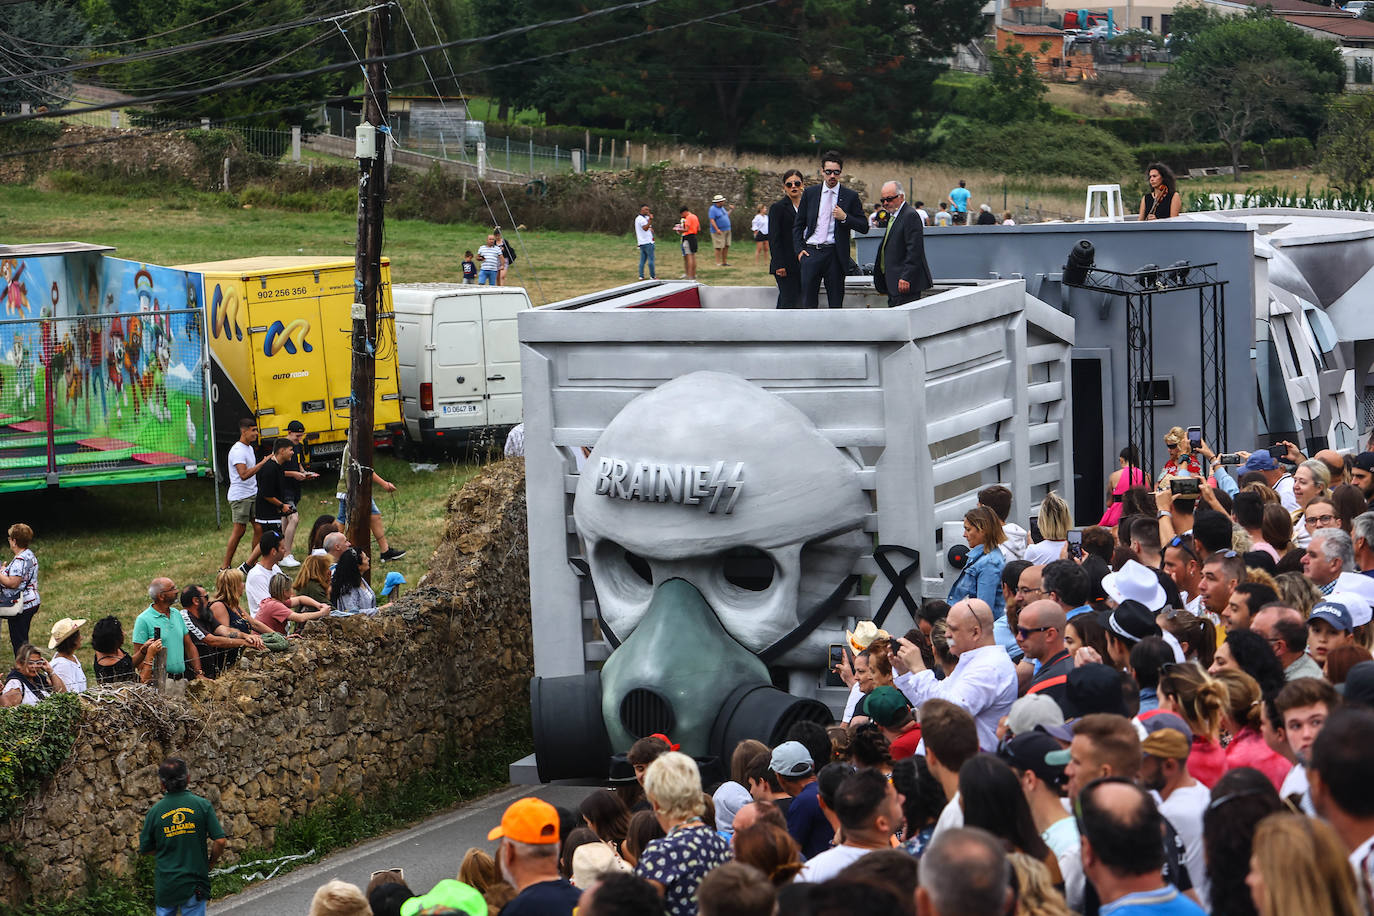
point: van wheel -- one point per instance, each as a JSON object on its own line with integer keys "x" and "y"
{"x": 408, "y": 449}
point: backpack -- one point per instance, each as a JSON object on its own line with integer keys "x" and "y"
{"x": 508, "y": 251}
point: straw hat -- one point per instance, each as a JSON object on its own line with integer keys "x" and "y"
{"x": 863, "y": 634}
{"x": 62, "y": 629}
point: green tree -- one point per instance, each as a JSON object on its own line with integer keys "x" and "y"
{"x": 36, "y": 37}
{"x": 768, "y": 75}
{"x": 1190, "y": 20}
{"x": 176, "y": 22}
{"x": 1249, "y": 78}
{"x": 1015, "y": 90}
{"x": 1346, "y": 149}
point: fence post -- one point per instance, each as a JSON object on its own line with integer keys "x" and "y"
{"x": 578, "y": 161}
{"x": 587, "y": 140}
{"x": 481, "y": 161}
{"x": 507, "y": 152}
{"x": 114, "y": 119}
{"x": 24, "y": 108}
{"x": 226, "y": 174}
{"x": 204, "y": 123}
{"x": 644, "y": 154}
{"x": 531, "y": 157}
{"x": 599, "y": 148}
{"x": 296, "y": 143}
{"x": 555, "y": 157}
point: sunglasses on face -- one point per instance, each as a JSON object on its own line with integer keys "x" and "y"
{"x": 791, "y": 184}
{"x": 1025, "y": 632}
{"x": 888, "y": 200}
{"x": 831, "y": 171}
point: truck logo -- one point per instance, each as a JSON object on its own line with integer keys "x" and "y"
{"x": 287, "y": 336}
{"x": 224, "y": 308}
{"x": 300, "y": 373}
{"x": 686, "y": 484}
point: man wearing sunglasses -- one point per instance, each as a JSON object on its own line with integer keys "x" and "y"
{"x": 901, "y": 270}
{"x": 782, "y": 260}
{"x": 826, "y": 216}
{"x": 1040, "y": 634}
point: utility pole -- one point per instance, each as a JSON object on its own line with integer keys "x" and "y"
{"x": 372, "y": 140}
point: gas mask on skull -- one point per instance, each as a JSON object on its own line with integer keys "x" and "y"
{"x": 721, "y": 530}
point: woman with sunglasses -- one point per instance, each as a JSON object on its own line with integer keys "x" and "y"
{"x": 782, "y": 256}
{"x": 30, "y": 680}
{"x": 1182, "y": 460}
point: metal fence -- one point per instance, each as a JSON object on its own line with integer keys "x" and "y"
{"x": 273, "y": 143}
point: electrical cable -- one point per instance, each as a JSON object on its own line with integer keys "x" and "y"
{"x": 234, "y": 38}
{"x": 128, "y": 41}
{"x": 381, "y": 59}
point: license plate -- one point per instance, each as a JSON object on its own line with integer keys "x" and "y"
{"x": 448, "y": 409}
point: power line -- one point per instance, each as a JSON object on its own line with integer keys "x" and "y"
{"x": 128, "y": 41}
{"x": 235, "y": 38}
{"x": 349, "y": 65}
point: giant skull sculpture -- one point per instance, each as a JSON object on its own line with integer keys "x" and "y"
{"x": 721, "y": 530}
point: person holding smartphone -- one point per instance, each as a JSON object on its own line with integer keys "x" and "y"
{"x": 31, "y": 679}
{"x": 1182, "y": 454}
{"x": 273, "y": 504}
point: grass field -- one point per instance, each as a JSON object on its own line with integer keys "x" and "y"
{"x": 98, "y": 548}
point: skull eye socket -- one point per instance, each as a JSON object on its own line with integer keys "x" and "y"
{"x": 748, "y": 568}
{"x": 639, "y": 566}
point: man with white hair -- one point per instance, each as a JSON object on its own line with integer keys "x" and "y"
{"x": 335, "y": 543}
{"x": 901, "y": 270}
{"x": 528, "y": 859}
{"x": 1362, "y": 542}
{"x": 983, "y": 682}
{"x": 157, "y": 622}
{"x": 1329, "y": 554}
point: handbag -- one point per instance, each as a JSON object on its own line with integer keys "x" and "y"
{"x": 12, "y": 599}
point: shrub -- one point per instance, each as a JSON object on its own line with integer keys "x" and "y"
{"x": 1036, "y": 148}
{"x": 34, "y": 742}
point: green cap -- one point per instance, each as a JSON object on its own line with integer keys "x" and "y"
{"x": 447, "y": 895}
{"x": 885, "y": 705}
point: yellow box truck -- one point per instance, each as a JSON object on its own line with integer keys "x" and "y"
{"x": 280, "y": 348}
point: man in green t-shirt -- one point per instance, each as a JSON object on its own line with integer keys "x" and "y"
{"x": 175, "y": 832}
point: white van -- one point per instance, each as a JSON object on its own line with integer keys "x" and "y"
{"x": 459, "y": 361}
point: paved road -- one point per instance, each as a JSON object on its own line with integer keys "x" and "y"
{"x": 429, "y": 852}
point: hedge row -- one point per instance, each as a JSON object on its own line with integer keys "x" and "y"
{"x": 1275, "y": 154}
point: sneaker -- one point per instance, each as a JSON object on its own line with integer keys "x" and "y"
{"x": 391, "y": 553}
{"x": 290, "y": 562}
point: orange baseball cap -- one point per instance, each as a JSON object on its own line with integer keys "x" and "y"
{"x": 530, "y": 820}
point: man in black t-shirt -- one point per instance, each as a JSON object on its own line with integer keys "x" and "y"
{"x": 273, "y": 505}
{"x": 296, "y": 473}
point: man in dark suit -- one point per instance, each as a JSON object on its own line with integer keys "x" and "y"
{"x": 825, "y": 217}
{"x": 782, "y": 263}
{"x": 900, "y": 269}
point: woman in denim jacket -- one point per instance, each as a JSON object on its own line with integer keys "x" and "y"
{"x": 982, "y": 574}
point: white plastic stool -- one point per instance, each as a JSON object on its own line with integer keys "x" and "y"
{"x": 1104, "y": 204}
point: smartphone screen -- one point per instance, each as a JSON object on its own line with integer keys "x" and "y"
{"x": 1195, "y": 436}
{"x": 1075, "y": 539}
{"x": 837, "y": 656}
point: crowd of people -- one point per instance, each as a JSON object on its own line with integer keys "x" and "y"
{"x": 199, "y": 630}
{"x": 1167, "y": 713}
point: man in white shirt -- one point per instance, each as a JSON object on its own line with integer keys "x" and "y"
{"x": 644, "y": 238}
{"x": 243, "y": 489}
{"x": 1278, "y": 478}
{"x": 1181, "y": 798}
{"x": 1341, "y": 773}
{"x": 255, "y": 586}
{"x": 922, "y": 212}
{"x": 984, "y": 680}
{"x": 870, "y": 812}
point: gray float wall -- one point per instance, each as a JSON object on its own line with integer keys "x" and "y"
{"x": 1038, "y": 253}
{"x": 932, "y": 401}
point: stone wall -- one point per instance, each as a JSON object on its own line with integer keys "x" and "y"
{"x": 358, "y": 705}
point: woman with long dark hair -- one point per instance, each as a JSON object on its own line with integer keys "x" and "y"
{"x": 992, "y": 799}
{"x": 1162, "y": 200}
{"x": 1123, "y": 478}
{"x": 349, "y": 591}
{"x": 1240, "y": 800}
